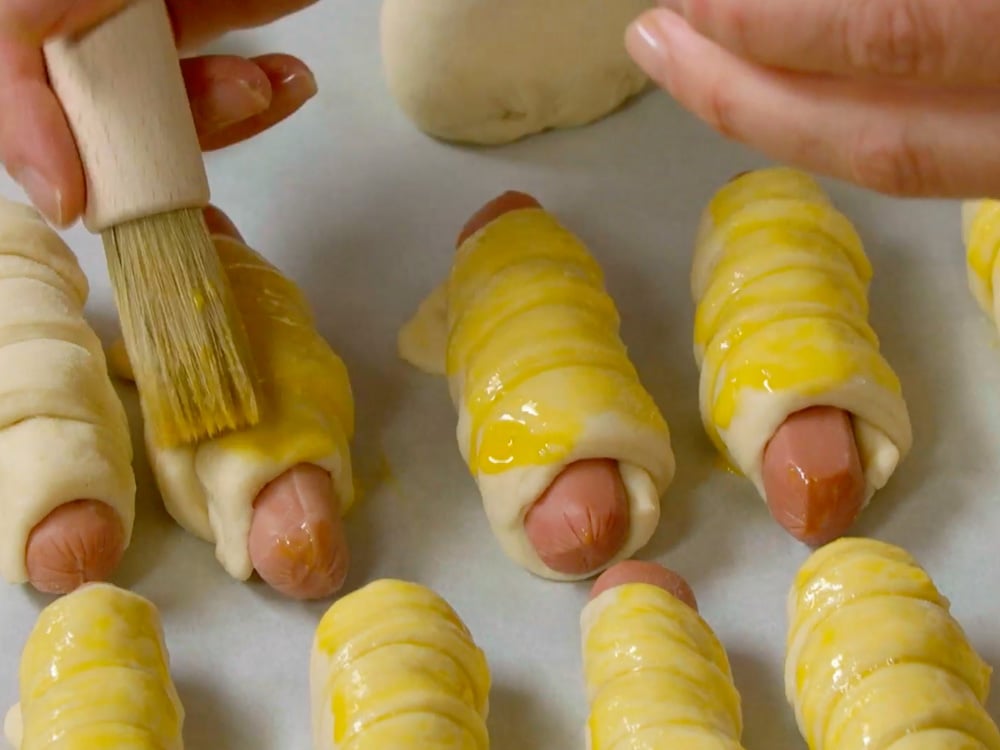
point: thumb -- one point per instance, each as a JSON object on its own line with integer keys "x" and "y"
{"x": 34, "y": 21}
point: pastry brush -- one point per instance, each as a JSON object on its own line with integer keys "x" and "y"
{"x": 121, "y": 87}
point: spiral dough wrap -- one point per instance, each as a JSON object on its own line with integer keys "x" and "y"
{"x": 64, "y": 433}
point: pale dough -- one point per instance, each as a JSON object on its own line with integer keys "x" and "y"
{"x": 210, "y": 488}
{"x": 64, "y": 433}
{"x": 494, "y": 71}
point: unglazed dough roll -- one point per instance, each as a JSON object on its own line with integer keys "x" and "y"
{"x": 64, "y": 433}
{"x": 95, "y": 675}
{"x": 393, "y": 666}
{"x": 656, "y": 675}
{"x": 981, "y": 234}
{"x": 494, "y": 71}
{"x": 307, "y": 417}
{"x": 876, "y": 660}
{"x": 540, "y": 378}
{"x": 780, "y": 279}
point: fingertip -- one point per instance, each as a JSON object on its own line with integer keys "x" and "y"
{"x": 291, "y": 83}
{"x": 652, "y": 41}
{"x": 220, "y": 223}
{"x": 224, "y": 90}
{"x": 40, "y": 153}
{"x": 282, "y": 69}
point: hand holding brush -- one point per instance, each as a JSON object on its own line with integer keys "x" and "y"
{"x": 125, "y": 99}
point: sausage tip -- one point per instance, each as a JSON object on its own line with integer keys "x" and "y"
{"x": 79, "y": 542}
{"x": 297, "y": 542}
{"x": 813, "y": 479}
{"x": 512, "y": 200}
{"x": 582, "y": 519}
{"x": 640, "y": 571}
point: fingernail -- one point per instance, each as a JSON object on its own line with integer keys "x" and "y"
{"x": 230, "y": 101}
{"x": 648, "y": 42}
{"x": 41, "y": 193}
{"x": 301, "y": 81}
{"x": 220, "y": 223}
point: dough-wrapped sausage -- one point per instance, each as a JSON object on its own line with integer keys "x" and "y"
{"x": 67, "y": 490}
{"x": 393, "y": 666}
{"x": 271, "y": 497}
{"x": 876, "y": 660}
{"x": 95, "y": 675}
{"x": 657, "y": 677}
{"x": 794, "y": 391}
{"x": 981, "y": 234}
{"x": 570, "y": 453}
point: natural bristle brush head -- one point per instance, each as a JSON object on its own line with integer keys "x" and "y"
{"x": 185, "y": 338}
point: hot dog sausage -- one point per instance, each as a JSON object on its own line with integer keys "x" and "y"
{"x": 639, "y": 571}
{"x": 77, "y": 543}
{"x": 582, "y": 520}
{"x": 297, "y": 541}
{"x": 812, "y": 474}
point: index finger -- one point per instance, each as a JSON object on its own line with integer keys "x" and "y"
{"x": 36, "y": 145}
{"x": 923, "y": 40}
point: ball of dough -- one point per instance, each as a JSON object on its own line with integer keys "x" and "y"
{"x": 493, "y": 71}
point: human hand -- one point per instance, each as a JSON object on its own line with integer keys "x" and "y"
{"x": 232, "y": 98}
{"x": 899, "y": 96}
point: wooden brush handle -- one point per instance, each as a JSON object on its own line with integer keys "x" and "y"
{"x": 121, "y": 87}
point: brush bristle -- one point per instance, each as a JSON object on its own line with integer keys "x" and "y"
{"x": 185, "y": 340}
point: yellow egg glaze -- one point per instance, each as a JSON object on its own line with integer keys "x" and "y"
{"x": 657, "y": 677}
{"x": 875, "y": 659}
{"x": 533, "y": 342}
{"x": 528, "y": 338}
{"x": 781, "y": 280}
{"x": 981, "y": 232}
{"x": 395, "y": 668}
{"x": 307, "y": 405}
{"x": 306, "y": 416}
{"x": 95, "y": 676}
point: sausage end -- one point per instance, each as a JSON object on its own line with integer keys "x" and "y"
{"x": 297, "y": 542}
{"x": 639, "y": 571}
{"x": 512, "y": 200}
{"x": 813, "y": 478}
{"x": 582, "y": 519}
{"x": 77, "y": 543}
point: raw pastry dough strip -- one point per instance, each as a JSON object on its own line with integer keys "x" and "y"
{"x": 67, "y": 490}
{"x": 876, "y": 660}
{"x": 393, "y": 666}
{"x": 981, "y": 235}
{"x": 95, "y": 674}
{"x": 656, "y": 675}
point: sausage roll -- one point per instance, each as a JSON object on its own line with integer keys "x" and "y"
{"x": 393, "y": 666}
{"x": 876, "y": 660}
